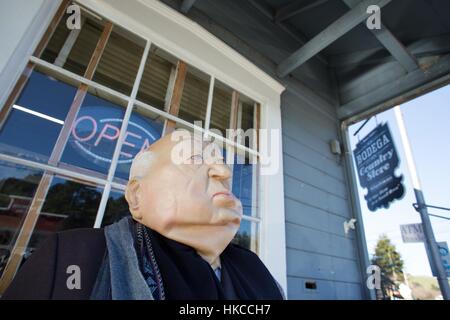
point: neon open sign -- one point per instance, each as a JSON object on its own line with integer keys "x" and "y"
{"x": 97, "y": 128}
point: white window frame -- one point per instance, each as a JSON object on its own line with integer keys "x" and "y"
{"x": 175, "y": 33}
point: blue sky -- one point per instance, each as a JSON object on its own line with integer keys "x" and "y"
{"x": 427, "y": 121}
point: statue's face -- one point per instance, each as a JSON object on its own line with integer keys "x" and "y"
{"x": 191, "y": 201}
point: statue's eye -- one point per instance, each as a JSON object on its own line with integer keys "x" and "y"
{"x": 196, "y": 159}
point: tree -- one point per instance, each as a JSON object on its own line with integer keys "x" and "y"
{"x": 391, "y": 265}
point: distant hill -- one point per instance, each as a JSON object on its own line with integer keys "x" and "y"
{"x": 424, "y": 287}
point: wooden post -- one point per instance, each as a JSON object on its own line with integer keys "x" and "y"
{"x": 175, "y": 100}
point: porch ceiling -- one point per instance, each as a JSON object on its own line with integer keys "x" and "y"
{"x": 302, "y": 36}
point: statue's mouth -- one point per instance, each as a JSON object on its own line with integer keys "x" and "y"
{"x": 223, "y": 194}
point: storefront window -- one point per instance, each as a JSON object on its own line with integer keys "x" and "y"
{"x": 36, "y": 113}
{"x": 144, "y": 128}
{"x": 243, "y": 187}
{"x": 18, "y": 185}
{"x": 158, "y": 73}
{"x": 72, "y": 49}
{"x": 63, "y": 125}
{"x": 195, "y": 96}
{"x": 247, "y": 235}
{"x": 94, "y": 134}
{"x": 221, "y": 107}
{"x": 120, "y": 61}
{"x": 68, "y": 205}
{"x": 116, "y": 209}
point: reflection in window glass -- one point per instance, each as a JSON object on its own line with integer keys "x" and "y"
{"x": 159, "y": 68}
{"x": 195, "y": 96}
{"x": 72, "y": 49}
{"x": 116, "y": 208}
{"x": 247, "y": 117}
{"x": 221, "y": 107}
{"x": 244, "y": 186}
{"x": 94, "y": 134}
{"x": 244, "y": 182}
{"x": 246, "y": 121}
{"x": 247, "y": 235}
{"x": 41, "y": 108}
{"x": 17, "y": 187}
{"x": 120, "y": 61}
{"x": 144, "y": 128}
{"x": 68, "y": 205}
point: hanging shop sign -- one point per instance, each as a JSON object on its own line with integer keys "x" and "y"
{"x": 412, "y": 233}
{"x": 376, "y": 160}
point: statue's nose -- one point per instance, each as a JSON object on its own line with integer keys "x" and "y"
{"x": 219, "y": 171}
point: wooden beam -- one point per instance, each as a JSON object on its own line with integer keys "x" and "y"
{"x": 234, "y": 108}
{"x": 186, "y": 5}
{"x": 424, "y": 47}
{"x": 175, "y": 100}
{"x": 98, "y": 52}
{"x": 80, "y": 95}
{"x": 286, "y": 28}
{"x": 398, "y": 91}
{"x": 333, "y": 32}
{"x": 391, "y": 43}
{"x": 296, "y": 7}
{"x": 234, "y": 115}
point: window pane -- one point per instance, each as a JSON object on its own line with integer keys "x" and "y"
{"x": 246, "y": 121}
{"x": 116, "y": 208}
{"x": 18, "y": 185}
{"x": 247, "y": 235}
{"x": 221, "y": 114}
{"x": 245, "y": 184}
{"x": 144, "y": 128}
{"x": 94, "y": 134}
{"x": 221, "y": 107}
{"x": 120, "y": 61}
{"x": 195, "y": 96}
{"x": 40, "y": 109}
{"x": 68, "y": 205}
{"x": 159, "y": 69}
{"x": 247, "y": 115}
{"x": 72, "y": 49}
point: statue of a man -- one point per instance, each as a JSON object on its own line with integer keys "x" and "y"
{"x": 176, "y": 244}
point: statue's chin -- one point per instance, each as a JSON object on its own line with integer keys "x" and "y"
{"x": 226, "y": 216}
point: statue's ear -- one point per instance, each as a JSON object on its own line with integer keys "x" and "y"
{"x": 132, "y": 195}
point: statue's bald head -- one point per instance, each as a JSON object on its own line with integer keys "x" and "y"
{"x": 159, "y": 150}
{"x": 144, "y": 160}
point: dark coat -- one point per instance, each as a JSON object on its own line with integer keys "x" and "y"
{"x": 44, "y": 275}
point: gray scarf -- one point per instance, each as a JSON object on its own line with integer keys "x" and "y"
{"x": 119, "y": 277}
